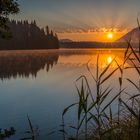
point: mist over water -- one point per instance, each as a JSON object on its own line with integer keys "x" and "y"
{"x": 42, "y": 84}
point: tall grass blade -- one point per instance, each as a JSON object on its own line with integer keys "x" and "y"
{"x": 130, "y": 110}
{"x": 133, "y": 84}
{"x": 97, "y": 69}
{"x": 30, "y": 125}
{"x": 112, "y": 100}
{"x": 107, "y": 77}
{"x": 67, "y": 108}
{"x": 137, "y": 69}
{"x": 134, "y": 96}
{"x": 105, "y": 70}
{"x": 139, "y": 30}
{"x": 137, "y": 57}
{"x": 90, "y": 71}
{"x": 105, "y": 96}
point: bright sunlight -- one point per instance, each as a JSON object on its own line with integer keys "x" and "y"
{"x": 109, "y": 59}
{"x": 110, "y": 35}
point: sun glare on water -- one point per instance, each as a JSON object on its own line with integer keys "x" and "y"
{"x": 109, "y": 59}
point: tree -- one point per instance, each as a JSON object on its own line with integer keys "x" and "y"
{"x": 47, "y": 30}
{"x": 7, "y": 7}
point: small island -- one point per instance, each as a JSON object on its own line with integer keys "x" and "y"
{"x": 23, "y": 35}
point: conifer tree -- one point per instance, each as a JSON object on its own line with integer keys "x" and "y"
{"x": 47, "y": 30}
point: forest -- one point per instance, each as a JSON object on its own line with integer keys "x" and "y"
{"x": 25, "y": 36}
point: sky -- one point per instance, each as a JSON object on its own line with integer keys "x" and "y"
{"x": 82, "y": 20}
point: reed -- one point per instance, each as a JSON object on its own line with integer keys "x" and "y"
{"x": 33, "y": 131}
{"x": 95, "y": 118}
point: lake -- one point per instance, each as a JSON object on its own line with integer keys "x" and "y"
{"x": 42, "y": 83}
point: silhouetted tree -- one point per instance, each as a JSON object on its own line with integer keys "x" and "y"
{"x": 7, "y": 7}
{"x": 51, "y": 33}
{"x": 29, "y": 36}
{"x": 47, "y": 30}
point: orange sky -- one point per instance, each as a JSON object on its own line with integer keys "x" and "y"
{"x": 82, "y": 20}
{"x": 92, "y": 36}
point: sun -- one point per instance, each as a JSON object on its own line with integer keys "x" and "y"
{"x": 110, "y": 35}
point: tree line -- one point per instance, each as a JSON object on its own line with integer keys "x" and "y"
{"x": 25, "y": 35}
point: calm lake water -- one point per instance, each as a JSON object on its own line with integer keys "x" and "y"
{"x": 42, "y": 83}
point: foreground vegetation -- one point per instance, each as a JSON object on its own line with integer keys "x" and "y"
{"x": 96, "y": 118}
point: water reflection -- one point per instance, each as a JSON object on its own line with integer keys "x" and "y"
{"x": 109, "y": 59}
{"x": 29, "y": 63}
{"x": 81, "y": 57}
{"x": 26, "y": 64}
{"x": 45, "y": 97}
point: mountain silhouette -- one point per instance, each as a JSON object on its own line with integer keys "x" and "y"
{"x": 134, "y": 35}
{"x": 27, "y": 35}
{"x": 65, "y": 40}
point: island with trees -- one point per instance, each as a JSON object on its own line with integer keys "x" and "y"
{"x": 24, "y": 35}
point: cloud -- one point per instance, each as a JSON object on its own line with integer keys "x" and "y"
{"x": 91, "y": 30}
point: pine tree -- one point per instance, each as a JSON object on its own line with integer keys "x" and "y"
{"x": 51, "y": 33}
{"x": 47, "y": 30}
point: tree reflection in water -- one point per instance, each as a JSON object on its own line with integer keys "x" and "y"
{"x": 26, "y": 64}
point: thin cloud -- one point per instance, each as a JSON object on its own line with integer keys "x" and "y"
{"x": 91, "y": 30}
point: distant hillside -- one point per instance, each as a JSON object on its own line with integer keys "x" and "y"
{"x": 134, "y": 35}
{"x": 27, "y": 35}
{"x": 85, "y": 45}
{"x": 65, "y": 40}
